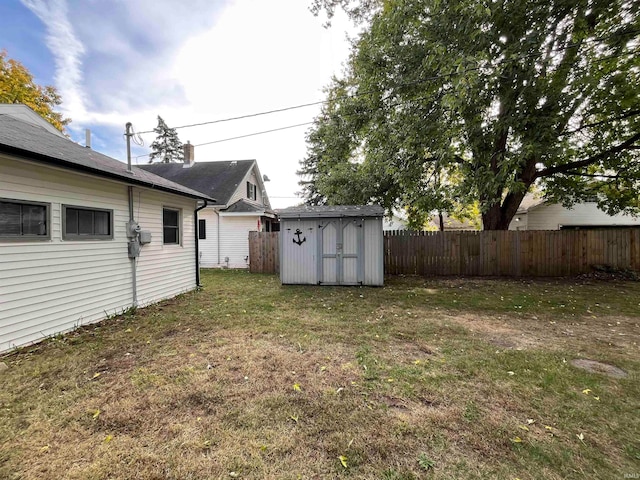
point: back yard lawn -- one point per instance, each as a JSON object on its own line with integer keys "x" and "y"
{"x": 424, "y": 378}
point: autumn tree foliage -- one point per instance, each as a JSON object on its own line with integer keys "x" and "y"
{"x": 18, "y": 86}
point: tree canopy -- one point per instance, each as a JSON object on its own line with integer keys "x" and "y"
{"x": 450, "y": 103}
{"x": 167, "y": 146}
{"x": 17, "y": 86}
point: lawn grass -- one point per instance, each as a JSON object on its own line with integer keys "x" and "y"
{"x": 424, "y": 378}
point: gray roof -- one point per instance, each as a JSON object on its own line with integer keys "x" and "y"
{"x": 243, "y": 206}
{"x": 35, "y": 143}
{"x": 530, "y": 200}
{"x": 331, "y": 211}
{"x": 218, "y": 179}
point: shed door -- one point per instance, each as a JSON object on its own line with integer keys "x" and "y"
{"x": 340, "y": 255}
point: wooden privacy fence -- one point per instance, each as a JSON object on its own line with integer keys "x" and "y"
{"x": 540, "y": 253}
{"x": 264, "y": 252}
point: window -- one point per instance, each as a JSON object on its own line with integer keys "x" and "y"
{"x": 21, "y": 220}
{"x": 170, "y": 226}
{"x": 80, "y": 223}
{"x": 202, "y": 229}
{"x": 252, "y": 191}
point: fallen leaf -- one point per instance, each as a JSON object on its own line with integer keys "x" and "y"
{"x": 323, "y": 368}
{"x": 296, "y": 387}
{"x": 530, "y": 421}
{"x": 96, "y": 413}
{"x": 547, "y": 427}
{"x": 128, "y": 330}
{"x": 294, "y": 418}
{"x": 510, "y": 373}
{"x": 516, "y": 440}
{"x": 596, "y": 398}
{"x": 523, "y": 427}
{"x": 96, "y": 375}
{"x": 343, "y": 460}
{"x": 416, "y": 362}
{"x": 107, "y": 439}
{"x": 586, "y": 391}
{"x": 45, "y": 449}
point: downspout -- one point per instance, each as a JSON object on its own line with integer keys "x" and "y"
{"x": 195, "y": 214}
{"x": 218, "y": 236}
{"x": 134, "y": 280}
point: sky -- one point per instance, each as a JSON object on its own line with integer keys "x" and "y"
{"x": 193, "y": 61}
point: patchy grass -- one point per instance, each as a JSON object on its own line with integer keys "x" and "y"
{"x": 419, "y": 379}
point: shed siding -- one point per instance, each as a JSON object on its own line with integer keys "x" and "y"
{"x": 299, "y": 263}
{"x": 52, "y": 286}
{"x": 373, "y": 252}
{"x": 552, "y": 216}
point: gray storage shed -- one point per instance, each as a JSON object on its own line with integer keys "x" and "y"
{"x": 332, "y": 245}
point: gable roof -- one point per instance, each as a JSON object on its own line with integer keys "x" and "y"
{"x": 32, "y": 142}
{"x": 242, "y": 206}
{"x": 530, "y": 200}
{"x": 27, "y": 115}
{"x": 218, "y": 179}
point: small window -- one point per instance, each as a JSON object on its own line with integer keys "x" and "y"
{"x": 170, "y": 226}
{"x": 80, "y": 223}
{"x": 24, "y": 220}
{"x": 202, "y": 229}
{"x": 251, "y": 191}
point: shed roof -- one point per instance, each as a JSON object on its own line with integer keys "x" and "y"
{"x": 331, "y": 211}
{"x": 32, "y": 142}
{"x": 219, "y": 179}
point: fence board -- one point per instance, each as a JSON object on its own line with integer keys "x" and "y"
{"x": 488, "y": 253}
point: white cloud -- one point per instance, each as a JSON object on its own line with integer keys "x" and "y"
{"x": 66, "y": 49}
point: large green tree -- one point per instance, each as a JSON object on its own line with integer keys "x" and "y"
{"x": 449, "y": 102}
{"x": 17, "y": 86}
{"x": 167, "y": 146}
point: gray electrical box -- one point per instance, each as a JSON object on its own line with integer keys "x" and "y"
{"x": 134, "y": 249}
{"x": 145, "y": 237}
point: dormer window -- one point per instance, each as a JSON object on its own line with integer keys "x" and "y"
{"x": 252, "y": 191}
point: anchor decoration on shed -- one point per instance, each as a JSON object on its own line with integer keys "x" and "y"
{"x": 299, "y": 242}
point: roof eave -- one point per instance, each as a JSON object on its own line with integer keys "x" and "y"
{"x": 45, "y": 159}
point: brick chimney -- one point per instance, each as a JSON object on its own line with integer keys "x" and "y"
{"x": 189, "y": 155}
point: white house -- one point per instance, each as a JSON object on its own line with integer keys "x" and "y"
{"x": 241, "y": 205}
{"x": 70, "y": 252}
{"x": 535, "y": 213}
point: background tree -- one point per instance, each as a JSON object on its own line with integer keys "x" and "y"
{"x": 450, "y": 102}
{"x": 17, "y": 86}
{"x": 167, "y": 146}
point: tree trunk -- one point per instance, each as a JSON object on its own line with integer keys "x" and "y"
{"x": 441, "y": 220}
{"x": 499, "y": 216}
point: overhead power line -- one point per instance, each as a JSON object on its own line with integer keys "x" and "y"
{"x": 366, "y": 92}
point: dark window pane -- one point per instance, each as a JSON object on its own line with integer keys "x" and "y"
{"x": 71, "y": 221}
{"x": 170, "y": 235}
{"x": 9, "y": 218}
{"x": 202, "y": 229}
{"x": 85, "y": 222}
{"x": 102, "y": 223}
{"x": 34, "y": 220}
{"x": 170, "y": 218}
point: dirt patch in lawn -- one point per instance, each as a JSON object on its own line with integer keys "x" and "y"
{"x": 599, "y": 367}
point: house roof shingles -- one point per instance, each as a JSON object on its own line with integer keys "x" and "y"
{"x": 35, "y": 143}
{"x": 218, "y": 179}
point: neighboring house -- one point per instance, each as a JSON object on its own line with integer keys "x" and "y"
{"x": 535, "y": 213}
{"x": 394, "y": 222}
{"x": 66, "y": 237}
{"x": 241, "y": 206}
{"x": 451, "y": 224}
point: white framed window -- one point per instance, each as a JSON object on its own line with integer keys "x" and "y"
{"x": 22, "y": 220}
{"x": 252, "y": 191}
{"x": 86, "y": 223}
{"x": 171, "y": 226}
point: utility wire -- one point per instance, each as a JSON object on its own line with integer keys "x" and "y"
{"x": 423, "y": 80}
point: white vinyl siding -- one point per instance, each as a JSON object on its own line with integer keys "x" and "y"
{"x": 241, "y": 191}
{"x": 233, "y": 240}
{"x": 52, "y": 286}
{"x": 164, "y": 270}
{"x": 553, "y": 216}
